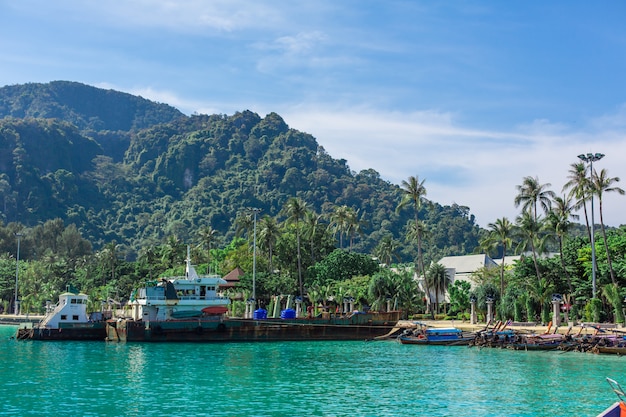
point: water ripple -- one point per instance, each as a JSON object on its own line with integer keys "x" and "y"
{"x": 329, "y": 379}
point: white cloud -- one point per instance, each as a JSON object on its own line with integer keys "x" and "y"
{"x": 475, "y": 168}
{"x": 616, "y": 120}
{"x": 171, "y": 98}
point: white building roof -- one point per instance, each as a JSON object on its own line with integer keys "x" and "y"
{"x": 465, "y": 265}
{"x": 508, "y": 260}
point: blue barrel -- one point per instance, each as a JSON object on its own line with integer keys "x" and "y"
{"x": 289, "y": 313}
{"x": 260, "y": 314}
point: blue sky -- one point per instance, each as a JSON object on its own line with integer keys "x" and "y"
{"x": 470, "y": 96}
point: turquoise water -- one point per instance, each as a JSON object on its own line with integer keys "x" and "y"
{"x": 298, "y": 379}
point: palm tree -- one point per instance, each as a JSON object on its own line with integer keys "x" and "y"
{"x": 295, "y": 210}
{"x": 541, "y": 291}
{"x": 339, "y": 222}
{"x": 208, "y": 235}
{"x": 501, "y": 232}
{"x": 149, "y": 256}
{"x": 612, "y": 293}
{"x": 268, "y": 235}
{"x": 487, "y": 244}
{"x": 338, "y": 295}
{"x": 380, "y": 289}
{"x": 559, "y": 221}
{"x": 601, "y": 184}
{"x": 438, "y": 279}
{"x": 530, "y": 232}
{"x": 315, "y": 295}
{"x": 244, "y": 224}
{"x": 312, "y": 222}
{"x": 173, "y": 251}
{"x": 109, "y": 256}
{"x": 418, "y": 231}
{"x": 414, "y": 193}
{"x": 406, "y": 292}
{"x": 532, "y": 193}
{"x": 387, "y": 250}
{"x": 578, "y": 186}
{"x": 354, "y": 225}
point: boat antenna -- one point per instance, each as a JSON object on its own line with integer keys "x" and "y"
{"x": 188, "y": 262}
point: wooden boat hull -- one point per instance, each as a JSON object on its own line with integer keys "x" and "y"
{"x": 534, "y": 346}
{"x": 610, "y": 350}
{"x": 412, "y": 340}
{"x": 357, "y": 327}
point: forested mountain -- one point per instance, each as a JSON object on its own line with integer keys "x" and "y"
{"x": 108, "y": 116}
{"x": 86, "y": 107}
{"x": 125, "y": 169}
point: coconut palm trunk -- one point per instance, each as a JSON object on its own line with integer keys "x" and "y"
{"x": 415, "y": 192}
{"x": 603, "y": 183}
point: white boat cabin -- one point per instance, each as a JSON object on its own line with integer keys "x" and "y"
{"x": 71, "y": 308}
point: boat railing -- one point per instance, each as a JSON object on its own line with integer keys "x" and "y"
{"x": 51, "y": 310}
{"x": 183, "y": 297}
{"x": 51, "y": 307}
{"x": 201, "y": 297}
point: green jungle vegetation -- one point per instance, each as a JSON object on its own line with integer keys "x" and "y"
{"x": 106, "y": 190}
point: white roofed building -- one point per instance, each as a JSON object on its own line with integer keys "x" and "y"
{"x": 461, "y": 268}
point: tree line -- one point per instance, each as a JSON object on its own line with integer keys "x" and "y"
{"x": 556, "y": 257}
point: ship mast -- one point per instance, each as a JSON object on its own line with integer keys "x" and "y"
{"x": 190, "y": 271}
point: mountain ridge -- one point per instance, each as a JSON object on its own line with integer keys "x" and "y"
{"x": 163, "y": 173}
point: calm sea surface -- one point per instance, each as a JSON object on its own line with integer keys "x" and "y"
{"x": 298, "y": 379}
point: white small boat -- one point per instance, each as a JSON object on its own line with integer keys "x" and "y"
{"x": 67, "y": 320}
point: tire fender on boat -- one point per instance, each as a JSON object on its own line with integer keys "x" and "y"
{"x": 221, "y": 327}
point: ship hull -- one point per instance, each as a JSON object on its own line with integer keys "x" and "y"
{"x": 87, "y": 331}
{"x": 357, "y": 327}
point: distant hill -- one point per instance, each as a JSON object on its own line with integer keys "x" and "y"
{"x": 125, "y": 169}
{"x": 84, "y": 106}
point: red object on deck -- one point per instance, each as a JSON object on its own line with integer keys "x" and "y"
{"x": 215, "y": 310}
